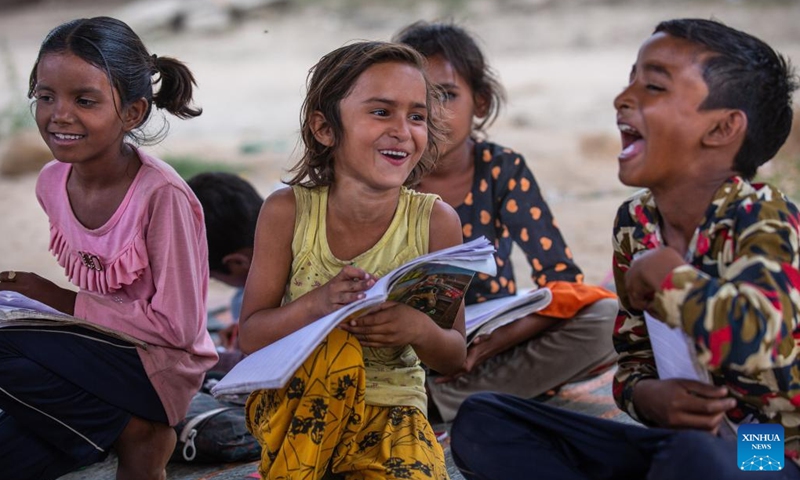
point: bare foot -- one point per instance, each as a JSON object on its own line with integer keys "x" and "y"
{"x": 144, "y": 448}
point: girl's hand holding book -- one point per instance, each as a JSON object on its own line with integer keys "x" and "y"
{"x": 346, "y": 287}
{"x": 392, "y": 324}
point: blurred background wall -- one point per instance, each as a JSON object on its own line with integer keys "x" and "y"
{"x": 561, "y": 61}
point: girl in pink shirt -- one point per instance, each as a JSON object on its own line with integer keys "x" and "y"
{"x": 129, "y": 234}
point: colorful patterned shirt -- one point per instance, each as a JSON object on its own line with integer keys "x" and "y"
{"x": 737, "y": 298}
{"x": 506, "y": 206}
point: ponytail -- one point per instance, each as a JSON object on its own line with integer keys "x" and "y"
{"x": 176, "y": 85}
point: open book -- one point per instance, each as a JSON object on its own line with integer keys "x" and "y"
{"x": 434, "y": 283}
{"x": 674, "y": 352}
{"x": 485, "y": 317}
{"x": 17, "y": 310}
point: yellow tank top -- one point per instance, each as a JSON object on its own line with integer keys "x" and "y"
{"x": 394, "y": 375}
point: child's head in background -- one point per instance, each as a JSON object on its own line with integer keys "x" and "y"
{"x": 701, "y": 87}
{"x": 472, "y": 94}
{"x": 331, "y": 83}
{"x": 109, "y": 46}
{"x": 230, "y": 208}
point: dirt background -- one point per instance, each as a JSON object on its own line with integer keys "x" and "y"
{"x": 562, "y": 62}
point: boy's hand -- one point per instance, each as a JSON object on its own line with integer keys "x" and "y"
{"x": 38, "y": 288}
{"x": 392, "y": 324}
{"x": 677, "y": 403}
{"x": 646, "y": 274}
{"x": 346, "y": 287}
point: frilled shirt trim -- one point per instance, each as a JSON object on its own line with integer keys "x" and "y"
{"x": 96, "y": 274}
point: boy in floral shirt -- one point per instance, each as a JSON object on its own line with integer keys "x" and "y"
{"x": 701, "y": 248}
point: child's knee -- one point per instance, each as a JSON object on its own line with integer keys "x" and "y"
{"x": 603, "y": 311}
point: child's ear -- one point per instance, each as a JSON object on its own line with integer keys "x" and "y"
{"x": 322, "y": 129}
{"x": 730, "y": 127}
{"x": 238, "y": 263}
{"x": 133, "y": 114}
{"x": 481, "y": 105}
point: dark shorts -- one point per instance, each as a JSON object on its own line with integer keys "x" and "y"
{"x": 67, "y": 394}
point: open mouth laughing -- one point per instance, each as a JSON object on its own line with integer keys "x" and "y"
{"x": 632, "y": 141}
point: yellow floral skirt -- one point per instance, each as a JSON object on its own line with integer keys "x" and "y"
{"x": 319, "y": 422}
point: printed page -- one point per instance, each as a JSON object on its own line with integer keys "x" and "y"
{"x": 434, "y": 289}
{"x": 673, "y": 351}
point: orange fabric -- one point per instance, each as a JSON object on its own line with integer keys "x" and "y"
{"x": 569, "y": 298}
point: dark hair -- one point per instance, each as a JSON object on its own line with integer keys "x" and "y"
{"x": 330, "y": 81}
{"x": 458, "y": 47}
{"x": 111, "y": 46}
{"x": 230, "y": 207}
{"x": 743, "y": 73}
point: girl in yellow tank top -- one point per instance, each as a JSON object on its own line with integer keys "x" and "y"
{"x": 356, "y": 407}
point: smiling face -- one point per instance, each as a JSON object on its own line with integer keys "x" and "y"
{"x": 384, "y": 122}
{"x": 77, "y": 110}
{"x": 659, "y": 114}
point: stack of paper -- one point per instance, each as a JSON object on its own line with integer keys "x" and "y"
{"x": 484, "y": 318}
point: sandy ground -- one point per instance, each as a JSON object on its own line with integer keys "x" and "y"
{"x": 562, "y": 63}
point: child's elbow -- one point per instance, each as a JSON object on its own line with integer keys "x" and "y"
{"x": 248, "y": 341}
{"x": 249, "y": 344}
{"x": 455, "y": 362}
{"x": 246, "y": 347}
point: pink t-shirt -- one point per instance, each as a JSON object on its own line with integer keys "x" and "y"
{"x": 144, "y": 273}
